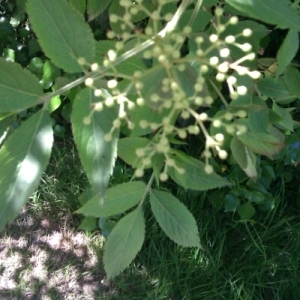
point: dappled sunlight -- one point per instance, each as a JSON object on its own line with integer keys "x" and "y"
{"x": 42, "y": 259}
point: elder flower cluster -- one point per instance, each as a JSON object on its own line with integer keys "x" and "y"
{"x": 171, "y": 94}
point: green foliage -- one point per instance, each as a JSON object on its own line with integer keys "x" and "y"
{"x": 96, "y": 154}
{"x": 63, "y": 43}
{"x": 124, "y": 242}
{"x": 174, "y": 218}
{"x": 175, "y": 89}
{"x": 22, "y": 166}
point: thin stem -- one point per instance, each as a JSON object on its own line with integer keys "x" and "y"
{"x": 218, "y": 92}
{"x": 195, "y": 12}
{"x": 147, "y": 190}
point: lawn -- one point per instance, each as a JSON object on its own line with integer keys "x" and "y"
{"x": 43, "y": 255}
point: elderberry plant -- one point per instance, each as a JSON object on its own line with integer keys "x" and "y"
{"x": 169, "y": 72}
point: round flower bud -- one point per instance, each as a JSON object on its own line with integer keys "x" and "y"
{"x": 222, "y": 154}
{"x": 247, "y": 32}
{"x": 208, "y": 169}
{"x": 230, "y": 39}
{"x": 213, "y": 38}
{"x": 89, "y": 81}
{"x": 163, "y": 176}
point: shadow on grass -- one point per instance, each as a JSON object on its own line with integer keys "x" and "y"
{"x": 42, "y": 258}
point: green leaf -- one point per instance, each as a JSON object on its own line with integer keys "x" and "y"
{"x": 287, "y": 51}
{"x": 258, "y": 121}
{"x": 287, "y": 120}
{"x": 232, "y": 202}
{"x": 96, "y": 7}
{"x": 292, "y": 80}
{"x": 127, "y": 147}
{"x": 174, "y": 218}
{"x": 19, "y": 88}
{"x": 279, "y": 13}
{"x": 88, "y": 224}
{"x": 23, "y": 159}
{"x": 61, "y": 29}
{"x": 124, "y": 242}
{"x": 146, "y": 113}
{"x": 271, "y": 87}
{"x": 127, "y": 67}
{"x": 244, "y": 157}
{"x": 118, "y": 199}
{"x": 246, "y": 211}
{"x": 54, "y": 103}
{"x": 97, "y": 155}
{"x": 194, "y": 176}
{"x": 119, "y": 11}
{"x": 261, "y": 143}
{"x": 106, "y": 226}
{"x": 80, "y": 5}
{"x": 201, "y": 20}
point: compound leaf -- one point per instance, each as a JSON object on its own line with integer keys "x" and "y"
{"x": 174, "y": 218}
{"x": 63, "y": 34}
{"x": 19, "y": 88}
{"x": 124, "y": 242}
{"x": 23, "y": 158}
{"x": 118, "y": 199}
{"x": 97, "y": 155}
{"x": 194, "y": 176}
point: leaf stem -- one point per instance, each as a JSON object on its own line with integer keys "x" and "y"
{"x": 147, "y": 190}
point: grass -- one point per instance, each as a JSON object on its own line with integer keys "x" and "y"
{"x": 44, "y": 256}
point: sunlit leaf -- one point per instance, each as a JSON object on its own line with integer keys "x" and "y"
{"x": 118, "y": 199}
{"x": 80, "y": 5}
{"x": 61, "y": 30}
{"x": 23, "y": 159}
{"x": 174, "y": 218}
{"x": 97, "y": 155}
{"x": 124, "y": 242}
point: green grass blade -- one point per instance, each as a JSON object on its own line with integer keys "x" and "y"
{"x": 23, "y": 158}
